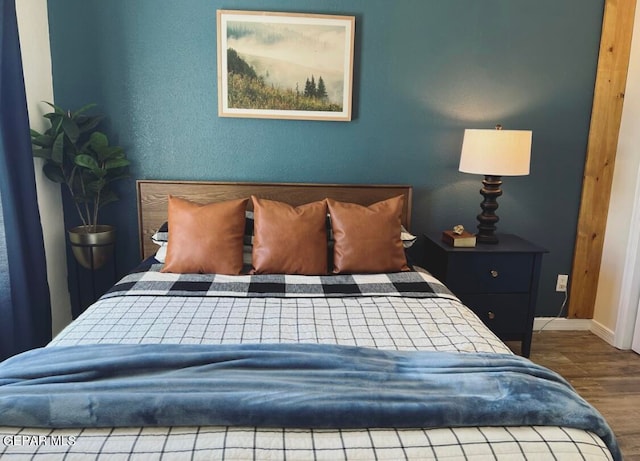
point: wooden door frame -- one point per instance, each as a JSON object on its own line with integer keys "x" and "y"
{"x": 606, "y": 114}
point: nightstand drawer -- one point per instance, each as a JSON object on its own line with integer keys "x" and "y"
{"x": 498, "y": 282}
{"x": 504, "y": 314}
{"x": 490, "y": 273}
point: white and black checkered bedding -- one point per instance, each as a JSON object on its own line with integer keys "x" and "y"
{"x": 382, "y": 321}
{"x": 150, "y": 281}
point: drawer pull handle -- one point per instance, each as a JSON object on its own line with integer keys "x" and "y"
{"x": 491, "y": 315}
{"x": 494, "y": 273}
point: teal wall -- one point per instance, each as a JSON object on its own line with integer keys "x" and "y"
{"x": 424, "y": 71}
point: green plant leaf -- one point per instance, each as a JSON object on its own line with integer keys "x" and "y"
{"x": 86, "y": 161}
{"x": 116, "y": 163}
{"x": 42, "y": 153}
{"x": 56, "y": 122}
{"x": 96, "y": 186}
{"x": 98, "y": 140}
{"x": 53, "y": 172}
{"x": 57, "y": 152}
{"x": 117, "y": 152}
{"x": 88, "y": 123}
{"x": 70, "y": 129}
{"x": 42, "y": 140}
{"x": 58, "y": 109}
{"x": 110, "y": 153}
{"x": 83, "y": 109}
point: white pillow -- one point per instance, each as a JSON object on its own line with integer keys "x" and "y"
{"x": 161, "y": 254}
{"x": 407, "y": 237}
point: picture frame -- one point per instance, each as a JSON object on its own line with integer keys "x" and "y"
{"x": 285, "y": 65}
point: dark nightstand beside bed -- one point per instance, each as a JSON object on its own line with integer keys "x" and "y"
{"x": 499, "y": 282}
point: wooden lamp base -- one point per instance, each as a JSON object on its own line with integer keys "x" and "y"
{"x": 487, "y": 219}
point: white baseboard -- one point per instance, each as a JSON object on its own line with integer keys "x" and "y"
{"x": 561, "y": 323}
{"x": 602, "y": 332}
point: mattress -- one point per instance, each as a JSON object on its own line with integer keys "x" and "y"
{"x": 147, "y": 307}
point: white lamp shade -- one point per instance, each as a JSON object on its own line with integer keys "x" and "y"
{"x": 496, "y": 152}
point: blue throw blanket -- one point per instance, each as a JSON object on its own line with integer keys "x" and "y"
{"x": 284, "y": 385}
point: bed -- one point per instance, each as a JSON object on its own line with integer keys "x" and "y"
{"x": 325, "y": 350}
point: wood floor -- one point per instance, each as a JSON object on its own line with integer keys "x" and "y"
{"x": 606, "y": 377}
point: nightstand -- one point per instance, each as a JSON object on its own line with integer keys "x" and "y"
{"x": 499, "y": 282}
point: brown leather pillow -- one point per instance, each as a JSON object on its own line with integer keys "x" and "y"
{"x": 367, "y": 239}
{"x": 289, "y": 240}
{"x": 205, "y": 238}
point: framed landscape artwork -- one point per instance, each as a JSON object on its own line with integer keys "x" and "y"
{"x": 285, "y": 65}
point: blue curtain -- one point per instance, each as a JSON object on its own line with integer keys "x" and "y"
{"x": 25, "y": 307}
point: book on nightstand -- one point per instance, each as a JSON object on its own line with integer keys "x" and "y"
{"x": 464, "y": 240}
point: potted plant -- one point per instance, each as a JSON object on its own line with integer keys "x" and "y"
{"x": 79, "y": 156}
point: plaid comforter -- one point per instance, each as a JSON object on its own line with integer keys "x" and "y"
{"x": 149, "y": 281}
{"x": 381, "y": 311}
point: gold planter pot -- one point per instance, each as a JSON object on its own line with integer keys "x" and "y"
{"x": 92, "y": 246}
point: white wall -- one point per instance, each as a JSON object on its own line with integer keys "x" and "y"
{"x": 619, "y": 281}
{"x": 33, "y": 27}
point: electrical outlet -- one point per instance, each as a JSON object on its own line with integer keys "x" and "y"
{"x": 561, "y": 284}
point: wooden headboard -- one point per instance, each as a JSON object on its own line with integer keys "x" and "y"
{"x": 153, "y": 198}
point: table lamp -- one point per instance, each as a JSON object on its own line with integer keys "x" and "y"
{"x": 494, "y": 153}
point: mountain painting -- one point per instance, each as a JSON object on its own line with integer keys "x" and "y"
{"x": 285, "y": 65}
